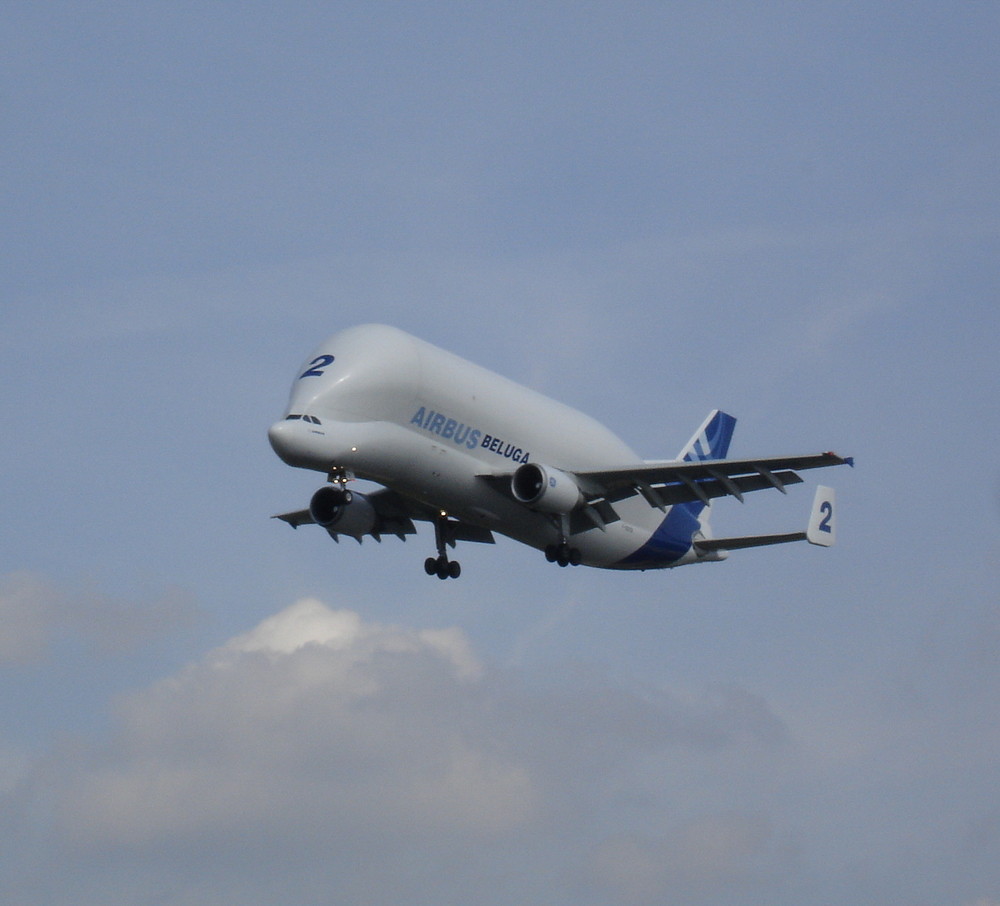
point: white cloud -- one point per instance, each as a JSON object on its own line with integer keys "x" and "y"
{"x": 310, "y": 622}
{"x": 313, "y": 713}
{"x": 306, "y": 622}
{"x": 27, "y": 605}
{"x": 320, "y": 751}
{"x": 356, "y": 755}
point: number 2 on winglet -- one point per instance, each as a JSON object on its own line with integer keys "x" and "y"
{"x": 826, "y": 508}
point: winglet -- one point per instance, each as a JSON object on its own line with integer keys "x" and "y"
{"x": 822, "y": 525}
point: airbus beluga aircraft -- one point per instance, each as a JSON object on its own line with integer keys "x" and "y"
{"x": 474, "y": 453}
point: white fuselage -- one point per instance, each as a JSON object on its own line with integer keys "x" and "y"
{"x": 388, "y": 407}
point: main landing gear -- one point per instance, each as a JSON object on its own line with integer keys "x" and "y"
{"x": 563, "y": 554}
{"x": 440, "y": 565}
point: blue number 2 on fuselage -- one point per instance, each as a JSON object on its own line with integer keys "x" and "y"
{"x": 316, "y": 366}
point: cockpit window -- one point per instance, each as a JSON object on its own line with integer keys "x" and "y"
{"x": 295, "y": 416}
{"x": 292, "y": 418}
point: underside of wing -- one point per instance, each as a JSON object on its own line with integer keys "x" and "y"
{"x": 394, "y": 515}
{"x": 664, "y": 484}
{"x": 296, "y": 518}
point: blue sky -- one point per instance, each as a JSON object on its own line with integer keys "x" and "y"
{"x": 644, "y": 210}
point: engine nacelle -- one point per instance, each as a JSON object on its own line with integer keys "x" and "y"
{"x": 341, "y": 512}
{"x": 544, "y": 488}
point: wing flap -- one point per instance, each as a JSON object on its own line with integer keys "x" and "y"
{"x": 684, "y": 489}
{"x": 672, "y": 471}
{"x": 466, "y": 531}
{"x": 664, "y": 484}
{"x": 595, "y": 514}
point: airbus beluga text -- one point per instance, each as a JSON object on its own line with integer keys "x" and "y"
{"x": 474, "y": 453}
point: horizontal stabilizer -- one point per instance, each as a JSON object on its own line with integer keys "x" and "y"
{"x": 820, "y": 530}
{"x": 734, "y": 544}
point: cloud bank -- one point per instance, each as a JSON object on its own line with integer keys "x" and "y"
{"x": 323, "y": 758}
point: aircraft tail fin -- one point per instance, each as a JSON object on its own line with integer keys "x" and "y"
{"x": 711, "y": 440}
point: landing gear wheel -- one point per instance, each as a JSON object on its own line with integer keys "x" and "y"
{"x": 563, "y": 554}
{"x": 442, "y": 567}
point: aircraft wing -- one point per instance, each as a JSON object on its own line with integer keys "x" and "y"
{"x": 677, "y": 481}
{"x": 396, "y": 514}
{"x": 296, "y": 518}
{"x": 670, "y": 482}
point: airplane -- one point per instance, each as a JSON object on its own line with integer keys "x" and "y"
{"x": 474, "y": 453}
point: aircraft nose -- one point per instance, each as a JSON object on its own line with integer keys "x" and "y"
{"x": 293, "y": 443}
{"x": 303, "y": 441}
{"x": 280, "y": 435}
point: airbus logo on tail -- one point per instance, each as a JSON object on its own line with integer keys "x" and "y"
{"x": 702, "y": 448}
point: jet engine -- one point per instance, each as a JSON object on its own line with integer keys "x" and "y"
{"x": 544, "y": 488}
{"x": 341, "y": 512}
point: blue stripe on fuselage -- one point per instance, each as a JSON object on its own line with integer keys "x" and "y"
{"x": 670, "y": 541}
{"x": 672, "y": 538}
